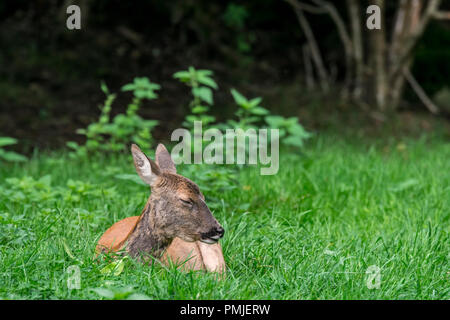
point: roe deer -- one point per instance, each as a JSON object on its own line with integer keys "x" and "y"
{"x": 175, "y": 224}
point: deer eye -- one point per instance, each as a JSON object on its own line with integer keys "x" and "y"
{"x": 188, "y": 203}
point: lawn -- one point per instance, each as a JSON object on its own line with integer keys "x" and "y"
{"x": 333, "y": 212}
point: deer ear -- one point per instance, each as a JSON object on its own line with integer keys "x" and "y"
{"x": 145, "y": 167}
{"x": 164, "y": 160}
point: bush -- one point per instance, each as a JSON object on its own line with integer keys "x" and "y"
{"x": 116, "y": 135}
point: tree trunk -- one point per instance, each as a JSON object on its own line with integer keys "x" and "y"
{"x": 408, "y": 28}
{"x": 379, "y": 65}
{"x": 355, "y": 19}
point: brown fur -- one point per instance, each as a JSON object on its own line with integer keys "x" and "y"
{"x": 173, "y": 223}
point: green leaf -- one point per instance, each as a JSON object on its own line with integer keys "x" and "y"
{"x": 299, "y": 131}
{"x": 199, "y": 109}
{"x": 104, "y": 88}
{"x": 203, "y": 93}
{"x": 254, "y": 102}
{"x": 183, "y": 76}
{"x": 203, "y": 72}
{"x": 7, "y": 141}
{"x": 72, "y": 145}
{"x": 275, "y": 122}
{"x": 81, "y": 131}
{"x": 115, "y": 267}
{"x": 294, "y": 141}
{"x": 238, "y": 98}
{"x": 208, "y": 82}
{"x": 128, "y": 87}
{"x": 259, "y": 111}
{"x": 12, "y": 156}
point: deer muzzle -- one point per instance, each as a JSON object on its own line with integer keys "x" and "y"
{"x": 213, "y": 235}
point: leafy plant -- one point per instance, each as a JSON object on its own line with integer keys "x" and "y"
{"x": 78, "y": 190}
{"x": 116, "y": 134}
{"x": 39, "y": 191}
{"x": 251, "y": 115}
{"x": 212, "y": 179}
{"x": 28, "y": 189}
{"x": 202, "y": 84}
{"x": 10, "y": 156}
{"x": 290, "y": 130}
{"x": 249, "y": 112}
{"x": 142, "y": 88}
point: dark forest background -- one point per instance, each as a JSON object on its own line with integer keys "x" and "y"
{"x": 50, "y": 76}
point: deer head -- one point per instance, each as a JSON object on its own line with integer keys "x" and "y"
{"x": 177, "y": 208}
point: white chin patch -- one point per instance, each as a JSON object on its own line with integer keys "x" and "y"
{"x": 208, "y": 241}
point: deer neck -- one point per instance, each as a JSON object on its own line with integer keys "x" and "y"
{"x": 147, "y": 239}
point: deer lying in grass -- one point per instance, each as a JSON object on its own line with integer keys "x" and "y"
{"x": 176, "y": 224}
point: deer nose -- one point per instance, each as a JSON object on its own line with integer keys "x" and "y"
{"x": 213, "y": 235}
{"x": 220, "y": 231}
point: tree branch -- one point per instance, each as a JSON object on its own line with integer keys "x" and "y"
{"x": 442, "y": 15}
{"x": 306, "y": 7}
{"x": 420, "y": 92}
{"x": 407, "y": 39}
{"x": 342, "y": 30}
{"x": 430, "y": 10}
{"x": 325, "y": 7}
{"x": 314, "y": 48}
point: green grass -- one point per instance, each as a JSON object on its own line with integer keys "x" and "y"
{"x": 309, "y": 232}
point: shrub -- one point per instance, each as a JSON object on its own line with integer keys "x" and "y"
{"x": 116, "y": 135}
{"x": 202, "y": 84}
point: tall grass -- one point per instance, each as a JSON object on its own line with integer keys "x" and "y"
{"x": 309, "y": 232}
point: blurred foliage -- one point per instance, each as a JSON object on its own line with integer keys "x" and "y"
{"x": 235, "y": 18}
{"x": 291, "y": 131}
{"x": 41, "y": 190}
{"x": 116, "y": 135}
{"x": 202, "y": 84}
{"x": 10, "y": 156}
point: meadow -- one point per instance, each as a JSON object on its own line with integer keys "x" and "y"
{"x": 334, "y": 211}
